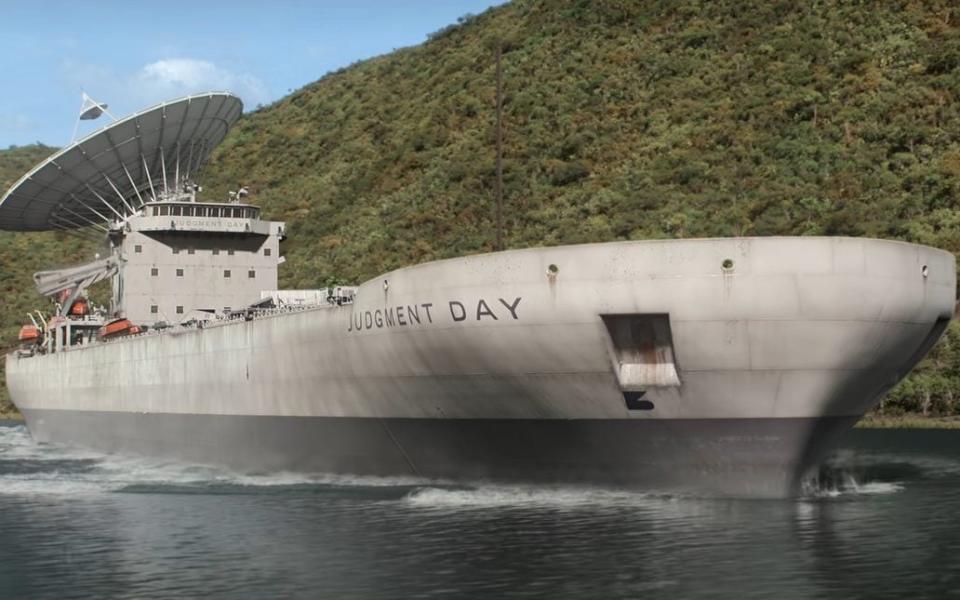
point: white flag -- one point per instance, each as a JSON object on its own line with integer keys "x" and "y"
{"x": 91, "y": 109}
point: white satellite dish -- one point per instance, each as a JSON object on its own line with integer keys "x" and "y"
{"x": 108, "y": 175}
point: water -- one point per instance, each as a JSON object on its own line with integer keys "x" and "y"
{"x": 883, "y": 521}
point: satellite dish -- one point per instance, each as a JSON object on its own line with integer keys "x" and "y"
{"x": 108, "y": 175}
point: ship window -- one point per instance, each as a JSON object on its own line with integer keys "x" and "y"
{"x": 138, "y": 248}
{"x": 164, "y": 211}
{"x": 216, "y": 251}
{"x": 188, "y": 211}
{"x": 176, "y": 250}
{"x": 226, "y": 309}
{"x": 251, "y": 274}
{"x": 201, "y": 211}
{"x": 230, "y": 252}
{"x": 266, "y": 251}
{"x": 226, "y": 274}
{"x": 175, "y": 211}
{"x": 179, "y": 272}
{"x": 191, "y": 251}
{"x": 179, "y": 310}
{"x": 154, "y": 272}
{"x": 154, "y": 309}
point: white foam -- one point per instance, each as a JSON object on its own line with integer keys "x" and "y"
{"x": 849, "y": 486}
{"x": 491, "y": 496}
{"x": 85, "y": 472}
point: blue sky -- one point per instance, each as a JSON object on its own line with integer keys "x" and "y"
{"x": 134, "y": 54}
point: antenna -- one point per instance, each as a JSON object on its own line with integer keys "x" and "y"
{"x": 90, "y": 109}
{"x": 499, "y": 183}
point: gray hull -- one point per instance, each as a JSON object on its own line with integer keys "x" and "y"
{"x": 752, "y": 457}
{"x": 714, "y": 365}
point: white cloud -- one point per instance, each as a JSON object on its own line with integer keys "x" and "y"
{"x": 172, "y": 77}
{"x": 160, "y": 81}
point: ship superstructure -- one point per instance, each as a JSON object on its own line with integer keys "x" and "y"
{"x": 718, "y": 365}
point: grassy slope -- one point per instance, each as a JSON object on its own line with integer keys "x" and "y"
{"x": 625, "y": 120}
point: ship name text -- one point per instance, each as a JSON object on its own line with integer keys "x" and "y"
{"x": 426, "y": 313}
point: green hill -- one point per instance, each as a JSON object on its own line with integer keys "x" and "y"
{"x": 624, "y": 120}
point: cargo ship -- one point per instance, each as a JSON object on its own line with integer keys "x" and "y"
{"x": 716, "y": 366}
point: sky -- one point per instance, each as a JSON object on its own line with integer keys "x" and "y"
{"x": 131, "y": 54}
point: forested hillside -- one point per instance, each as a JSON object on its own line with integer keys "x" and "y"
{"x": 625, "y": 119}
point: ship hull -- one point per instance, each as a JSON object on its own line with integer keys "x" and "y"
{"x": 717, "y": 366}
{"x": 733, "y": 457}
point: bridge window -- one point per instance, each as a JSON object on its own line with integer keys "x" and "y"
{"x": 188, "y": 211}
{"x": 230, "y": 252}
{"x": 164, "y": 210}
{"x": 201, "y": 211}
{"x": 175, "y": 210}
{"x": 216, "y": 251}
{"x": 191, "y": 251}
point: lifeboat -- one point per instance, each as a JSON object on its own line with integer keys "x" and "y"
{"x": 29, "y": 333}
{"x": 80, "y": 308}
{"x": 118, "y": 328}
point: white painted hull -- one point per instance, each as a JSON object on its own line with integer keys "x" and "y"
{"x": 799, "y": 329}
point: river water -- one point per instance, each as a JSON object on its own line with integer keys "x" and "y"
{"x": 884, "y": 521}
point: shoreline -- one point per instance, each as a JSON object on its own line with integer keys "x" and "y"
{"x": 907, "y": 422}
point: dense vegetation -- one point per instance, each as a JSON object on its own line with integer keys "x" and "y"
{"x": 625, "y": 120}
